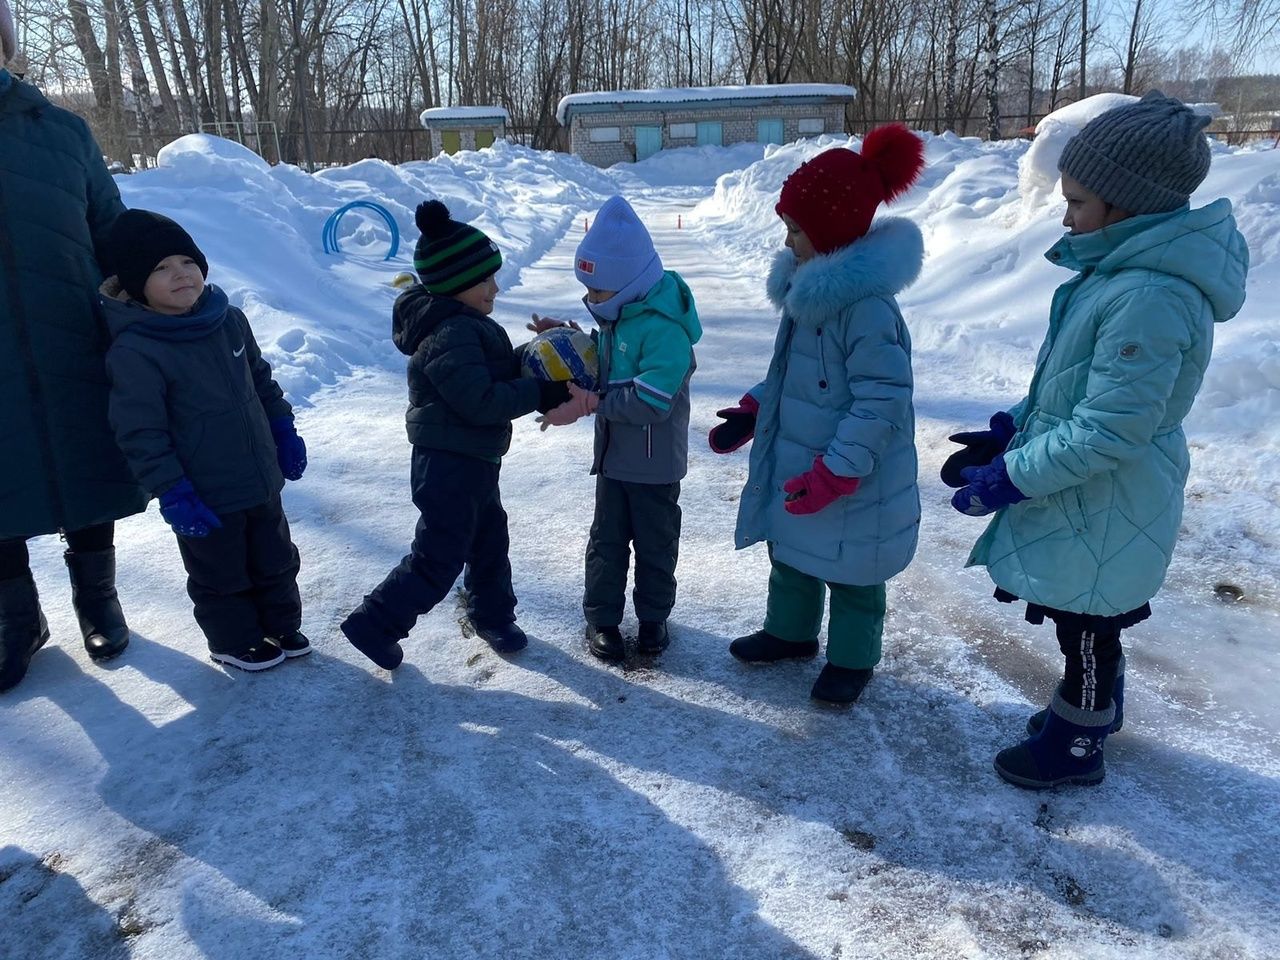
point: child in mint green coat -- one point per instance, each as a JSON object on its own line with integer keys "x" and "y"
{"x": 1085, "y": 476}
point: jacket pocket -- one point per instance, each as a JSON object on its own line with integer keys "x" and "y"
{"x": 1072, "y": 503}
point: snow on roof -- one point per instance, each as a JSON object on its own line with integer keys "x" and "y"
{"x": 462, "y": 113}
{"x": 696, "y": 94}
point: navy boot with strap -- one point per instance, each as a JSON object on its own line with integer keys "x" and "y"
{"x": 1067, "y": 750}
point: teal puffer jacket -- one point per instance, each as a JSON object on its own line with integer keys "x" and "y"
{"x": 840, "y": 385}
{"x": 1100, "y": 450}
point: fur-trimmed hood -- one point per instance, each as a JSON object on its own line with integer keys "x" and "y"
{"x": 883, "y": 263}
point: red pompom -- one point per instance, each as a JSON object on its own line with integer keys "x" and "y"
{"x": 897, "y": 154}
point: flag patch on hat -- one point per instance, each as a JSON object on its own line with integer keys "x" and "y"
{"x": 587, "y": 266}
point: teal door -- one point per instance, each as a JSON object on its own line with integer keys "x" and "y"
{"x": 711, "y": 134}
{"x": 769, "y": 131}
{"x": 648, "y": 142}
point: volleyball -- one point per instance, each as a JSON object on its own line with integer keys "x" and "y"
{"x": 562, "y": 353}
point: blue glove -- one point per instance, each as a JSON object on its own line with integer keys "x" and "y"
{"x": 989, "y": 489}
{"x": 183, "y": 510}
{"x": 980, "y": 448}
{"x": 291, "y": 452}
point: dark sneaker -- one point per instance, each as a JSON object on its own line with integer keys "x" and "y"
{"x": 261, "y": 655}
{"x": 652, "y": 637}
{"x": 385, "y": 653}
{"x": 293, "y": 644}
{"x": 606, "y": 643}
{"x": 840, "y": 685}
{"x": 761, "y": 647}
{"x": 505, "y": 638}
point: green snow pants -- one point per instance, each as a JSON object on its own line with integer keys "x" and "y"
{"x": 794, "y": 613}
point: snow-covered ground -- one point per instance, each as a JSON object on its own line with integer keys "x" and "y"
{"x": 545, "y": 805}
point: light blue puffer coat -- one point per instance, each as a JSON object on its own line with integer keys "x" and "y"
{"x": 840, "y": 385}
{"x": 1100, "y": 449}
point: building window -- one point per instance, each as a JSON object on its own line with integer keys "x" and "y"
{"x": 813, "y": 125}
{"x": 684, "y": 131}
{"x": 606, "y": 134}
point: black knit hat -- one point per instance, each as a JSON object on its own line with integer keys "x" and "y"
{"x": 139, "y": 240}
{"x": 451, "y": 256}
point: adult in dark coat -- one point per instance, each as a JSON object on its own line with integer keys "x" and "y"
{"x": 62, "y": 470}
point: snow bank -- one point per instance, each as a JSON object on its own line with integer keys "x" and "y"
{"x": 694, "y": 94}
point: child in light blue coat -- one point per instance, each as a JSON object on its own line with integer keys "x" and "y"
{"x": 1085, "y": 475}
{"x": 832, "y": 481}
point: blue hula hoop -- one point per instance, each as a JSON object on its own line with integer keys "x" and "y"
{"x": 330, "y": 234}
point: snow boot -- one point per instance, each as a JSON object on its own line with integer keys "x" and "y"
{"x": 93, "y": 595}
{"x": 1067, "y": 750}
{"x": 840, "y": 685}
{"x": 388, "y": 654}
{"x": 606, "y": 643}
{"x": 293, "y": 644}
{"x": 1117, "y": 697}
{"x": 504, "y": 638}
{"x": 653, "y": 637}
{"x": 762, "y": 647}
{"x": 259, "y": 655}
{"x": 23, "y": 629}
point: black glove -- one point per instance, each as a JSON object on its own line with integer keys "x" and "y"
{"x": 980, "y": 448}
{"x": 552, "y": 393}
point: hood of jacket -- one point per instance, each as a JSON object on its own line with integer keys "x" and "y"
{"x": 417, "y": 312}
{"x": 17, "y": 96}
{"x": 1201, "y": 246}
{"x": 882, "y": 263}
{"x": 670, "y": 298}
{"x": 126, "y": 314}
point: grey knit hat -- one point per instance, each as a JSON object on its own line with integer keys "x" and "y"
{"x": 1145, "y": 157}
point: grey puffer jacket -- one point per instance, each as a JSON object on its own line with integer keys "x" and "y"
{"x": 191, "y": 396}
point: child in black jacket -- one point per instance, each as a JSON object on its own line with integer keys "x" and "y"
{"x": 465, "y": 388}
{"x": 205, "y": 428}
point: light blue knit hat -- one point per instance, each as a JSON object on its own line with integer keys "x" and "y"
{"x": 617, "y": 251}
{"x": 1144, "y": 157}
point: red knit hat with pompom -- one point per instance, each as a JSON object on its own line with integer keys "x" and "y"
{"x": 833, "y": 197}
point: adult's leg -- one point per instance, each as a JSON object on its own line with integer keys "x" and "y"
{"x": 655, "y": 524}
{"x": 91, "y": 562}
{"x": 15, "y": 562}
{"x": 608, "y": 555}
{"x": 23, "y": 629}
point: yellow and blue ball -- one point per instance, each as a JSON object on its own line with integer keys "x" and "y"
{"x": 563, "y": 353}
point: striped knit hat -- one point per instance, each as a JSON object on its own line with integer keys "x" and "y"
{"x": 1144, "y": 157}
{"x": 450, "y": 256}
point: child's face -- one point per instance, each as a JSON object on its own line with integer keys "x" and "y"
{"x": 480, "y": 297}
{"x": 596, "y": 295}
{"x": 1086, "y": 211}
{"x": 174, "y": 285}
{"x": 798, "y": 240}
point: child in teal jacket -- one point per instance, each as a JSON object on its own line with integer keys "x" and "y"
{"x": 1088, "y": 492}
{"x": 648, "y": 324}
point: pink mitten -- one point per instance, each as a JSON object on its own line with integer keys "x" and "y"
{"x": 816, "y": 489}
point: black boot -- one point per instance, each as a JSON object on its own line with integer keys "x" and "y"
{"x": 503, "y": 638}
{"x": 840, "y": 685}
{"x": 23, "y": 629}
{"x": 761, "y": 647}
{"x": 652, "y": 637}
{"x": 606, "y": 643}
{"x": 93, "y": 595}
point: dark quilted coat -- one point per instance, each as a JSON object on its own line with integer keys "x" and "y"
{"x": 62, "y": 469}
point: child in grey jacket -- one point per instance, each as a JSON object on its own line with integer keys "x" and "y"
{"x": 205, "y": 428}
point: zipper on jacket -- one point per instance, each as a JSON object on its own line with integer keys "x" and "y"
{"x": 253, "y": 388}
{"x": 648, "y": 441}
{"x": 822, "y": 361}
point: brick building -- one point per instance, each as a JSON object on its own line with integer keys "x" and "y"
{"x": 450, "y": 129}
{"x": 613, "y": 126}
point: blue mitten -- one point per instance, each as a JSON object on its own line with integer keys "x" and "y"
{"x": 183, "y": 510}
{"x": 988, "y": 489}
{"x": 291, "y": 452}
{"x": 980, "y": 448}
